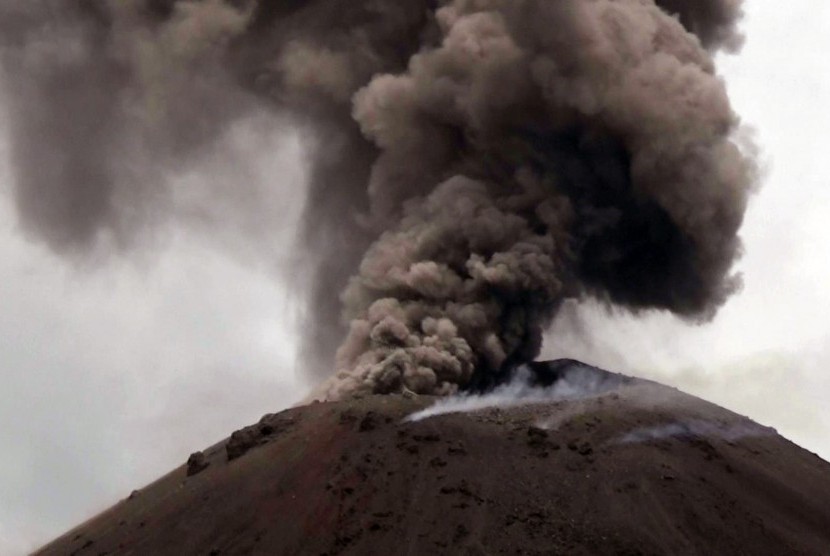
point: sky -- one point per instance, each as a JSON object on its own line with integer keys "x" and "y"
{"x": 115, "y": 370}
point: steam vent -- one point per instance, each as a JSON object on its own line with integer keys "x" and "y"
{"x": 593, "y": 463}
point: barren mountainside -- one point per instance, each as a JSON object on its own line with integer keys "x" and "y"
{"x": 634, "y": 468}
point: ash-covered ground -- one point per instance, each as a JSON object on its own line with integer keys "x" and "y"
{"x": 592, "y": 463}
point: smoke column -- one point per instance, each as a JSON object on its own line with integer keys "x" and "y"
{"x": 474, "y": 163}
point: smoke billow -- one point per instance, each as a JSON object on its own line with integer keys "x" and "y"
{"x": 474, "y": 163}
{"x": 577, "y": 147}
{"x": 104, "y": 99}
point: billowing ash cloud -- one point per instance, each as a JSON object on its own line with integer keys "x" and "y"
{"x": 104, "y": 98}
{"x": 474, "y": 162}
{"x": 556, "y": 149}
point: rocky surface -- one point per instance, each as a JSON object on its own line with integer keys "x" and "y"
{"x": 639, "y": 470}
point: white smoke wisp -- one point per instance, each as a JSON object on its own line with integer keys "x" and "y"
{"x": 576, "y": 383}
{"x": 730, "y": 432}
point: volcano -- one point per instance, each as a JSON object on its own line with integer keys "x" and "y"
{"x": 590, "y": 463}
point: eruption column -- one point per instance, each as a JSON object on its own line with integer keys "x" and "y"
{"x": 473, "y": 162}
{"x": 577, "y": 148}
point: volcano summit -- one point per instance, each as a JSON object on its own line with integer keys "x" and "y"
{"x": 600, "y": 464}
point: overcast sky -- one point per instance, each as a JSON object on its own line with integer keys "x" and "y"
{"x": 114, "y": 371}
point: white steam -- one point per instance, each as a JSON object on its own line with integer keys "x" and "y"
{"x": 577, "y": 382}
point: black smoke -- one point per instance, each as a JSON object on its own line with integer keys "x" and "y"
{"x": 473, "y": 163}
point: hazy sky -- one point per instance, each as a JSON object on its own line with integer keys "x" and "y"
{"x": 116, "y": 370}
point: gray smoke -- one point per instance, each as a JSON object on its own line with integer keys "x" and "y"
{"x": 697, "y": 428}
{"x": 104, "y": 100}
{"x": 473, "y": 162}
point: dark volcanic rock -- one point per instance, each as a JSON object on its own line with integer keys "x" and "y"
{"x": 353, "y": 478}
{"x": 244, "y": 439}
{"x": 241, "y": 441}
{"x": 196, "y": 463}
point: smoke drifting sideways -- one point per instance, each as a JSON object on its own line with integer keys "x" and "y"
{"x": 580, "y": 385}
{"x": 474, "y": 162}
{"x": 537, "y": 383}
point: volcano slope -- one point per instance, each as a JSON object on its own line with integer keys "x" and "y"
{"x": 601, "y": 464}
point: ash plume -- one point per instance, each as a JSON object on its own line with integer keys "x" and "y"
{"x": 474, "y": 163}
{"x": 104, "y": 99}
